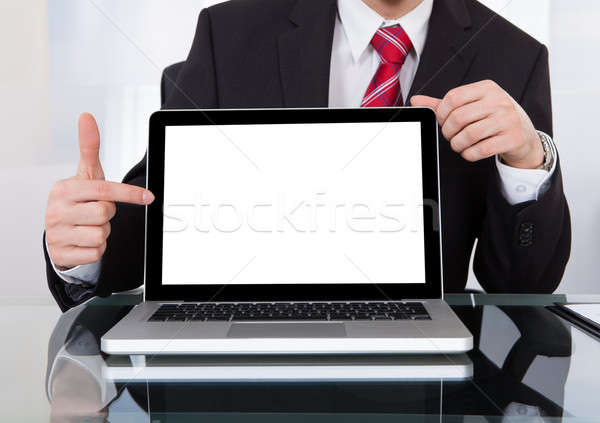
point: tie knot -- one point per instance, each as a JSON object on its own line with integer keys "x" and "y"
{"x": 392, "y": 44}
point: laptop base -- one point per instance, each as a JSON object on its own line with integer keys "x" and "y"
{"x": 134, "y": 334}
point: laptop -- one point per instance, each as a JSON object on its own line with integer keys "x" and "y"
{"x": 292, "y": 231}
{"x": 284, "y": 368}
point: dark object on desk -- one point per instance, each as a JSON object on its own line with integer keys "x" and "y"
{"x": 542, "y": 334}
{"x": 582, "y": 322}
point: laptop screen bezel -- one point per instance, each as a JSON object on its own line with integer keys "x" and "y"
{"x": 156, "y": 291}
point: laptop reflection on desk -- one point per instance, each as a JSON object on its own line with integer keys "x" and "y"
{"x": 344, "y": 368}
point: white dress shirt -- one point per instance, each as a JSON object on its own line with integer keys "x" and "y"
{"x": 353, "y": 63}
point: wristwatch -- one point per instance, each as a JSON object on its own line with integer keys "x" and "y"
{"x": 549, "y": 152}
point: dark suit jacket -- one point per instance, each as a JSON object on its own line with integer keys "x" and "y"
{"x": 276, "y": 53}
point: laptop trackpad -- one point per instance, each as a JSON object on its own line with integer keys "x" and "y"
{"x": 287, "y": 330}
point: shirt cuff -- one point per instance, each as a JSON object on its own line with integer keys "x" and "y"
{"x": 78, "y": 275}
{"x": 521, "y": 185}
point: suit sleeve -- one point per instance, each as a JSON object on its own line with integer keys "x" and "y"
{"x": 123, "y": 262}
{"x": 524, "y": 248}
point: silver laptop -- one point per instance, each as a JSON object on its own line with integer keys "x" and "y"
{"x": 294, "y": 231}
{"x": 281, "y": 368}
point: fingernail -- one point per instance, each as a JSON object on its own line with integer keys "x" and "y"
{"x": 147, "y": 197}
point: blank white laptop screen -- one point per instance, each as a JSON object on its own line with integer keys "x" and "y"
{"x": 293, "y": 203}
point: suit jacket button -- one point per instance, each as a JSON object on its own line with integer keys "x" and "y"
{"x": 526, "y": 233}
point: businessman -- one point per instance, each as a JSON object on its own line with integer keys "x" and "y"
{"x": 488, "y": 82}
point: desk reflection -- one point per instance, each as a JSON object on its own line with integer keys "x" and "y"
{"x": 498, "y": 379}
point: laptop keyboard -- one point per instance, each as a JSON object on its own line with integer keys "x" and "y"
{"x": 201, "y": 312}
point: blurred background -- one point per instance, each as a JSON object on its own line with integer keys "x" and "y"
{"x": 63, "y": 57}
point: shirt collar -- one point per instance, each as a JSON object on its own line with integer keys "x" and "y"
{"x": 360, "y": 23}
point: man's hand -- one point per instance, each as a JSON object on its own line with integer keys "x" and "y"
{"x": 481, "y": 120}
{"x": 80, "y": 208}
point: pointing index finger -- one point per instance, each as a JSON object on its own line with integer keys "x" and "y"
{"x": 98, "y": 190}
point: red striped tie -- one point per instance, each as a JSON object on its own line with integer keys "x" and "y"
{"x": 393, "y": 46}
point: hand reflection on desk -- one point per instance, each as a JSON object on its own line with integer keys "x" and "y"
{"x": 75, "y": 387}
{"x": 511, "y": 342}
{"x": 76, "y": 395}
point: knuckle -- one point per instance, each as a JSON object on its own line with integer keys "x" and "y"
{"x": 103, "y": 211}
{"x": 488, "y": 83}
{"x": 53, "y": 255}
{"x": 57, "y": 256}
{"x": 96, "y": 253}
{"x": 106, "y": 228}
{"x": 472, "y": 133}
{"x": 107, "y": 212}
{"x": 132, "y": 195}
{"x": 51, "y": 237}
{"x": 485, "y": 149}
{"x": 455, "y": 145}
{"x": 469, "y": 156}
{"x": 453, "y": 98}
{"x": 506, "y": 103}
{"x": 97, "y": 236}
{"x": 53, "y": 217}
{"x": 102, "y": 190}
{"x": 459, "y": 118}
{"x": 452, "y": 120}
{"x": 446, "y": 132}
{"x": 58, "y": 190}
{"x": 112, "y": 210}
{"x": 135, "y": 194}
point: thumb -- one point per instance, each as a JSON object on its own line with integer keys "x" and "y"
{"x": 89, "y": 148}
{"x": 425, "y": 101}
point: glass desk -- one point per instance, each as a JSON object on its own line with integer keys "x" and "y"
{"x": 528, "y": 365}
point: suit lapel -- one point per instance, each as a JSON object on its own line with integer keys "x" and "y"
{"x": 305, "y": 54}
{"x": 448, "y": 52}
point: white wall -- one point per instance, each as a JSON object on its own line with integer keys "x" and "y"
{"x": 23, "y": 81}
{"x": 62, "y": 57}
{"x": 25, "y": 123}
{"x": 575, "y": 60}
{"x": 24, "y": 183}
